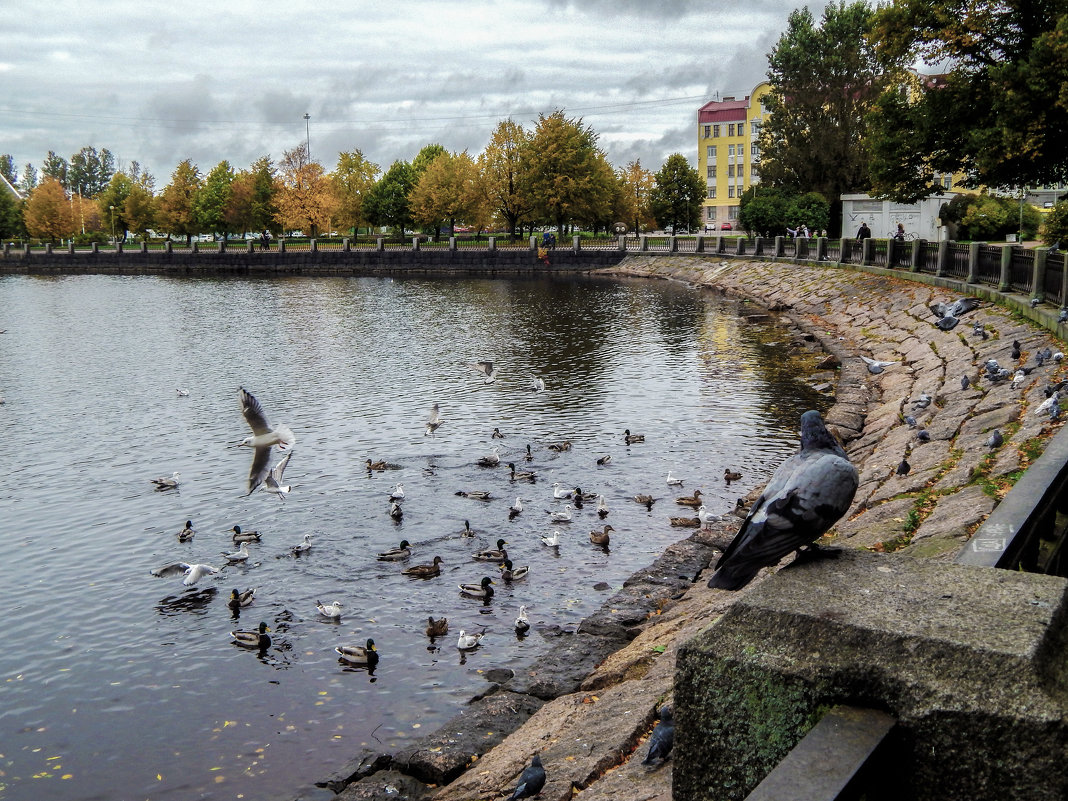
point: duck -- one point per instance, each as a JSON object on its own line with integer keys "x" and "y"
{"x": 560, "y": 491}
{"x": 492, "y": 460}
{"x": 329, "y": 610}
{"x": 560, "y": 447}
{"x": 302, "y": 547}
{"x": 519, "y": 475}
{"x": 529, "y": 456}
{"x": 603, "y": 460}
{"x": 467, "y": 530}
{"x": 401, "y": 552}
{"x": 253, "y": 639}
{"x": 239, "y": 600}
{"x": 629, "y": 438}
{"x": 562, "y": 517}
{"x": 741, "y": 509}
{"x": 497, "y": 554}
{"x": 365, "y": 654}
{"x": 602, "y": 507}
{"x": 481, "y": 590}
{"x": 731, "y": 475}
{"x": 164, "y": 483}
{"x": 673, "y": 481}
{"x": 648, "y": 500}
{"x": 381, "y": 465}
{"x": 601, "y": 537}
{"x": 182, "y": 393}
{"x": 240, "y": 536}
{"x": 694, "y": 501}
{"x": 395, "y": 510}
{"x": 437, "y": 628}
{"x": 522, "y": 624}
{"x": 424, "y": 571}
{"x": 509, "y": 573}
{"x": 398, "y": 493}
{"x": 187, "y": 533}
{"x": 240, "y": 555}
{"x": 468, "y": 642}
{"x": 496, "y": 434}
{"x": 586, "y": 496}
{"x": 515, "y": 508}
{"x": 686, "y": 522}
{"x": 478, "y": 495}
{"x": 553, "y": 540}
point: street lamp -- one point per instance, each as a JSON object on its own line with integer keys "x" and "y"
{"x": 307, "y": 133}
{"x": 112, "y": 208}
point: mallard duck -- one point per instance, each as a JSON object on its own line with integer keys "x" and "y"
{"x": 395, "y": 510}
{"x": 398, "y": 493}
{"x": 401, "y": 552}
{"x": 560, "y": 491}
{"x": 166, "y": 482}
{"x": 425, "y": 571}
{"x": 741, "y": 509}
{"x": 605, "y": 459}
{"x": 560, "y": 447}
{"x": 686, "y": 522}
{"x": 529, "y": 456}
{"x": 695, "y": 501}
{"x": 193, "y": 573}
{"x": 240, "y": 536}
{"x": 239, "y": 600}
{"x": 515, "y": 508}
{"x": 240, "y": 555}
{"x": 602, "y": 507}
{"x": 520, "y": 476}
{"x": 522, "y": 625}
{"x": 467, "y": 530}
{"x": 468, "y": 642}
{"x": 648, "y": 500}
{"x": 586, "y": 496}
{"x": 329, "y": 610}
{"x": 553, "y": 540}
{"x": 359, "y": 655}
{"x": 731, "y": 475}
{"x": 496, "y": 434}
{"x": 563, "y": 516}
{"x": 577, "y": 500}
{"x": 673, "y": 481}
{"x": 480, "y": 590}
{"x": 380, "y": 465}
{"x": 478, "y": 495}
{"x": 632, "y": 438}
{"x": 509, "y": 573}
{"x": 492, "y": 460}
{"x": 437, "y": 628}
{"x": 253, "y": 639}
{"x": 187, "y": 533}
{"x": 302, "y": 547}
{"x": 601, "y": 537}
{"x": 497, "y": 554}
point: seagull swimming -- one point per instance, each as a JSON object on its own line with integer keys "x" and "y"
{"x": 553, "y": 540}
{"x": 487, "y": 369}
{"x": 560, "y": 491}
{"x": 515, "y": 508}
{"x": 675, "y": 482}
{"x": 182, "y": 393}
{"x": 491, "y": 460}
{"x": 329, "y": 610}
{"x": 240, "y": 555}
{"x": 468, "y": 642}
{"x": 164, "y": 483}
{"x": 263, "y": 437}
{"x": 302, "y": 547}
{"x": 398, "y": 493}
{"x": 522, "y": 624}
{"x": 562, "y": 517}
{"x": 192, "y": 572}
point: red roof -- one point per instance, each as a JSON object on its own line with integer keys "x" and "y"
{"x": 723, "y": 111}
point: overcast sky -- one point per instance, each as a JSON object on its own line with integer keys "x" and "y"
{"x": 160, "y": 82}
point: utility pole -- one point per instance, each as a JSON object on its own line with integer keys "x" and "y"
{"x": 307, "y": 133}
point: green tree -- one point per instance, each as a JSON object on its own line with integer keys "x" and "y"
{"x": 387, "y": 202}
{"x": 1055, "y": 226}
{"x": 140, "y": 210}
{"x": 28, "y": 180}
{"x": 174, "y": 213}
{"x": 811, "y": 209}
{"x": 11, "y": 222}
{"x": 47, "y": 214}
{"x": 112, "y": 203}
{"x": 676, "y": 198}
{"x": 304, "y": 194}
{"x": 55, "y": 167}
{"x": 354, "y": 177}
{"x": 448, "y": 189}
{"x": 565, "y": 178}
{"x": 213, "y": 198}
{"x": 501, "y": 166}
{"x": 264, "y": 208}
{"x": 7, "y": 168}
{"x": 425, "y": 156}
{"x": 90, "y": 172}
{"x": 764, "y": 210}
{"x": 823, "y": 82}
{"x": 635, "y": 206}
{"x": 1000, "y": 113}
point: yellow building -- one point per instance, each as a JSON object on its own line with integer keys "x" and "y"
{"x": 728, "y": 154}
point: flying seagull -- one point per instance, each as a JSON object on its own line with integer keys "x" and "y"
{"x": 273, "y": 480}
{"x": 192, "y": 572}
{"x": 875, "y": 366}
{"x": 807, "y": 495}
{"x": 433, "y": 422}
{"x": 487, "y": 369}
{"x": 263, "y": 437}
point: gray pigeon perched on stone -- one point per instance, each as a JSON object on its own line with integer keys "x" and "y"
{"x": 995, "y": 440}
{"x": 1063, "y": 316}
{"x": 957, "y": 308}
{"x": 923, "y": 435}
{"x": 1035, "y": 302}
{"x": 1015, "y": 349}
{"x": 903, "y": 468}
{"x": 979, "y": 331}
{"x": 910, "y": 420}
{"x": 922, "y": 402}
{"x": 530, "y": 781}
{"x": 662, "y": 738}
{"x": 965, "y": 382}
{"x": 807, "y": 495}
{"x": 875, "y": 366}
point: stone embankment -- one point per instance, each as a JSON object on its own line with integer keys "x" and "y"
{"x": 588, "y": 707}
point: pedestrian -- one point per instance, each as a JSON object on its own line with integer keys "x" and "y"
{"x": 900, "y": 233}
{"x": 864, "y": 232}
{"x": 805, "y": 232}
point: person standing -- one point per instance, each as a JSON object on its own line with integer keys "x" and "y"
{"x": 864, "y": 232}
{"x": 900, "y": 233}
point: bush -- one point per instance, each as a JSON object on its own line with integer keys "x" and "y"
{"x": 1055, "y": 227}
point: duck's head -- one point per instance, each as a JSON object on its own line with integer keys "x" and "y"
{"x": 188, "y": 523}
{"x": 486, "y": 581}
{"x": 438, "y": 560}
{"x": 405, "y": 544}
{"x": 370, "y": 645}
{"x": 506, "y": 565}
{"x": 236, "y": 529}
{"x": 501, "y": 544}
{"x": 263, "y": 626}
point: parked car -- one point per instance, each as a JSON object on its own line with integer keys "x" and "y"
{"x": 726, "y": 227}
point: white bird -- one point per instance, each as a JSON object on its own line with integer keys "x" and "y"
{"x": 434, "y": 421}
{"x": 302, "y": 547}
{"x": 537, "y": 384}
{"x": 240, "y": 555}
{"x": 491, "y": 460}
{"x": 192, "y": 572}
{"x": 673, "y": 481}
{"x": 487, "y": 369}
{"x": 398, "y": 493}
{"x": 468, "y": 642}
{"x": 602, "y": 507}
{"x": 1044, "y": 407}
{"x": 562, "y": 517}
{"x": 522, "y": 624}
{"x": 329, "y": 610}
{"x": 706, "y": 517}
{"x": 515, "y": 508}
{"x": 166, "y": 482}
{"x": 182, "y": 393}
{"x": 273, "y": 481}
{"x": 263, "y": 437}
{"x": 553, "y": 540}
{"x": 560, "y": 491}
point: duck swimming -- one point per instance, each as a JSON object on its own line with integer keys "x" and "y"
{"x": 520, "y": 476}
{"x": 424, "y": 571}
{"x": 509, "y": 573}
{"x": 253, "y": 639}
{"x": 695, "y": 501}
{"x": 239, "y": 600}
{"x": 480, "y": 590}
{"x": 359, "y": 654}
{"x": 601, "y": 537}
{"x": 240, "y": 536}
{"x": 497, "y": 554}
{"x": 731, "y": 475}
{"x": 629, "y": 438}
{"x": 401, "y": 552}
{"x": 437, "y": 628}
{"x": 187, "y": 533}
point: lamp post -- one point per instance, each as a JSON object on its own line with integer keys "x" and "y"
{"x": 81, "y": 209}
{"x": 307, "y": 133}
{"x": 112, "y": 209}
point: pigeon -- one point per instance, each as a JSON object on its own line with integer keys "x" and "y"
{"x": 957, "y": 308}
{"x": 947, "y": 323}
{"x": 264, "y": 435}
{"x": 923, "y": 435}
{"x": 1054, "y": 412}
{"x": 1015, "y": 350}
{"x": 662, "y": 738}
{"x": 1035, "y": 302}
{"x": 903, "y": 468}
{"x": 910, "y": 420}
{"x": 965, "y": 382}
{"x": 995, "y": 440}
{"x": 1018, "y": 379}
{"x": 1058, "y": 357}
{"x": 875, "y": 366}
{"x": 807, "y": 495}
{"x": 922, "y": 402}
{"x": 979, "y": 331}
{"x": 1063, "y": 316}
{"x": 531, "y": 780}
{"x": 1043, "y": 356}
{"x": 1044, "y": 407}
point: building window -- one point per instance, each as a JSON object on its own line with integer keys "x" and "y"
{"x": 730, "y": 190}
{"x": 732, "y": 212}
{"x": 708, "y": 131}
{"x": 711, "y": 170}
{"x": 754, "y": 127}
{"x": 711, "y": 212}
{"x": 711, "y": 193}
{"x": 730, "y": 150}
{"x": 947, "y": 182}
{"x": 730, "y": 129}
{"x": 754, "y": 150}
{"x": 710, "y": 151}
{"x": 754, "y": 171}
{"x": 730, "y": 170}
{"x": 715, "y": 130}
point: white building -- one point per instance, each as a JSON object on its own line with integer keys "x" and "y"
{"x": 883, "y": 216}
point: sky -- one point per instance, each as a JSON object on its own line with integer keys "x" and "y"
{"x": 158, "y": 83}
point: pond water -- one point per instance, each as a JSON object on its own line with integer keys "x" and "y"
{"x": 118, "y": 684}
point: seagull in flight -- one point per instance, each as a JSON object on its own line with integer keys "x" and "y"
{"x": 434, "y": 421}
{"x": 273, "y": 481}
{"x": 487, "y": 369}
{"x": 263, "y": 437}
{"x": 192, "y": 572}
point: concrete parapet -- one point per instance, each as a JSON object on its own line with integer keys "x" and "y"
{"x": 972, "y": 662}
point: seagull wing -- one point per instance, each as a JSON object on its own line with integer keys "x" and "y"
{"x": 254, "y": 414}
{"x": 197, "y": 572}
{"x": 274, "y": 477}
{"x": 175, "y": 569}
{"x": 260, "y": 468}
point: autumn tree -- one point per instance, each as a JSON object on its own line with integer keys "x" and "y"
{"x": 387, "y": 202}
{"x": 89, "y": 172}
{"x": 305, "y": 195}
{"x": 564, "y": 178}
{"x": 112, "y": 203}
{"x": 174, "y": 213}
{"x": 354, "y": 177}
{"x": 676, "y": 198}
{"x": 47, "y": 214}
{"x": 140, "y": 210}
{"x": 448, "y": 190}
{"x": 426, "y": 154}
{"x": 213, "y": 198}
{"x": 1000, "y": 112}
{"x": 635, "y": 199}
{"x": 824, "y": 79}
{"x": 501, "y": 165}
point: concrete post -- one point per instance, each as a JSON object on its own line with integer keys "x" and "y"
{"x": 70, "y": 248}
{"x": 491, "y": 243}
{"x": 867, "y": 249}
{"x": 1038, "y": 276}
{"x": 739, "y": 246}
{"x": 7, "y": 249}
{"x": 415, "y": 244}
{"x": 721, "y": 244}
{"x": 452, "y": 243}
{"x": 758, "y": 246}
{"x": 621, "y": 243}
{"x": 918, "y": 247}
{"x": 250, "y": 246}
{"x": 780, "y": 246}
{"x": 96, "y": 248}
{"x": 281, "y": 244}
{"x": 168, "y": 247}
{"x": 119, "y": 248}
{"x": 699, "y": 244}
{"x": 942, "y": 264}
{"x": 645, "y": 243}
{"x": 973, "y": 263}
{"x": 576, "y": 244}
{"x": 380, "y": 244}
{"x": 26, "y": 249}
{"x": 533, "y": 243}
{"x": 1006, "y": 270}
{"x": 313, "y": 245}
{"x": 48, "y": 248}
{"x": 222, "y": 245}
{"x": 821, "y": 248}
{"x": 196, "y": 246}
{"x": 673, "y": 244}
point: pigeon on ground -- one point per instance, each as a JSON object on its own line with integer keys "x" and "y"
{"x": 1063, "y": 316}
{"x": 1035, "y": 302}
{"x": 979, "y": 331}
{"x": 875, "y": 366}
{"x": 1054, "y": 412}
{"x": 531, "y": 780}
{"x": 910, "y": 420}
{"x": 965, "y": 382}
{"x": 922, "y": 402}
{"x": 903, "y": 468}
{"x": 923, "y": 436}
{"x": 1018, "y": 379}
{"x": 662, "y": 738}
{"x": 995, "y": 440}
{"x": 807, "y": 495}
{"x": 957, "y": 308}
{"x": 947, "y": 323}
{"x": 1015, "y": 350}
{"x": 1044, "y": 407}
{"x": 1043, "y": 356}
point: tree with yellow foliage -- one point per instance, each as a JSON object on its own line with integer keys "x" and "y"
{"x": 353, "y": 178}
{"x": 501, "y": 165}
{"x": 48, "y": 212}
{"x": 448, "y": 190}
{"x": 305, "y": 194}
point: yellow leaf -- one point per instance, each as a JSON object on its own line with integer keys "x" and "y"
{"x": 159, "y": 778}
{"x": 220, "y": 779}
{"x": 67, "y": 776}
{"x": 229, "y": 723}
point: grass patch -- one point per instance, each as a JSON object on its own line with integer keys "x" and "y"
{"x": 1031, "y": 449}
{"x": 934, "y": 348}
